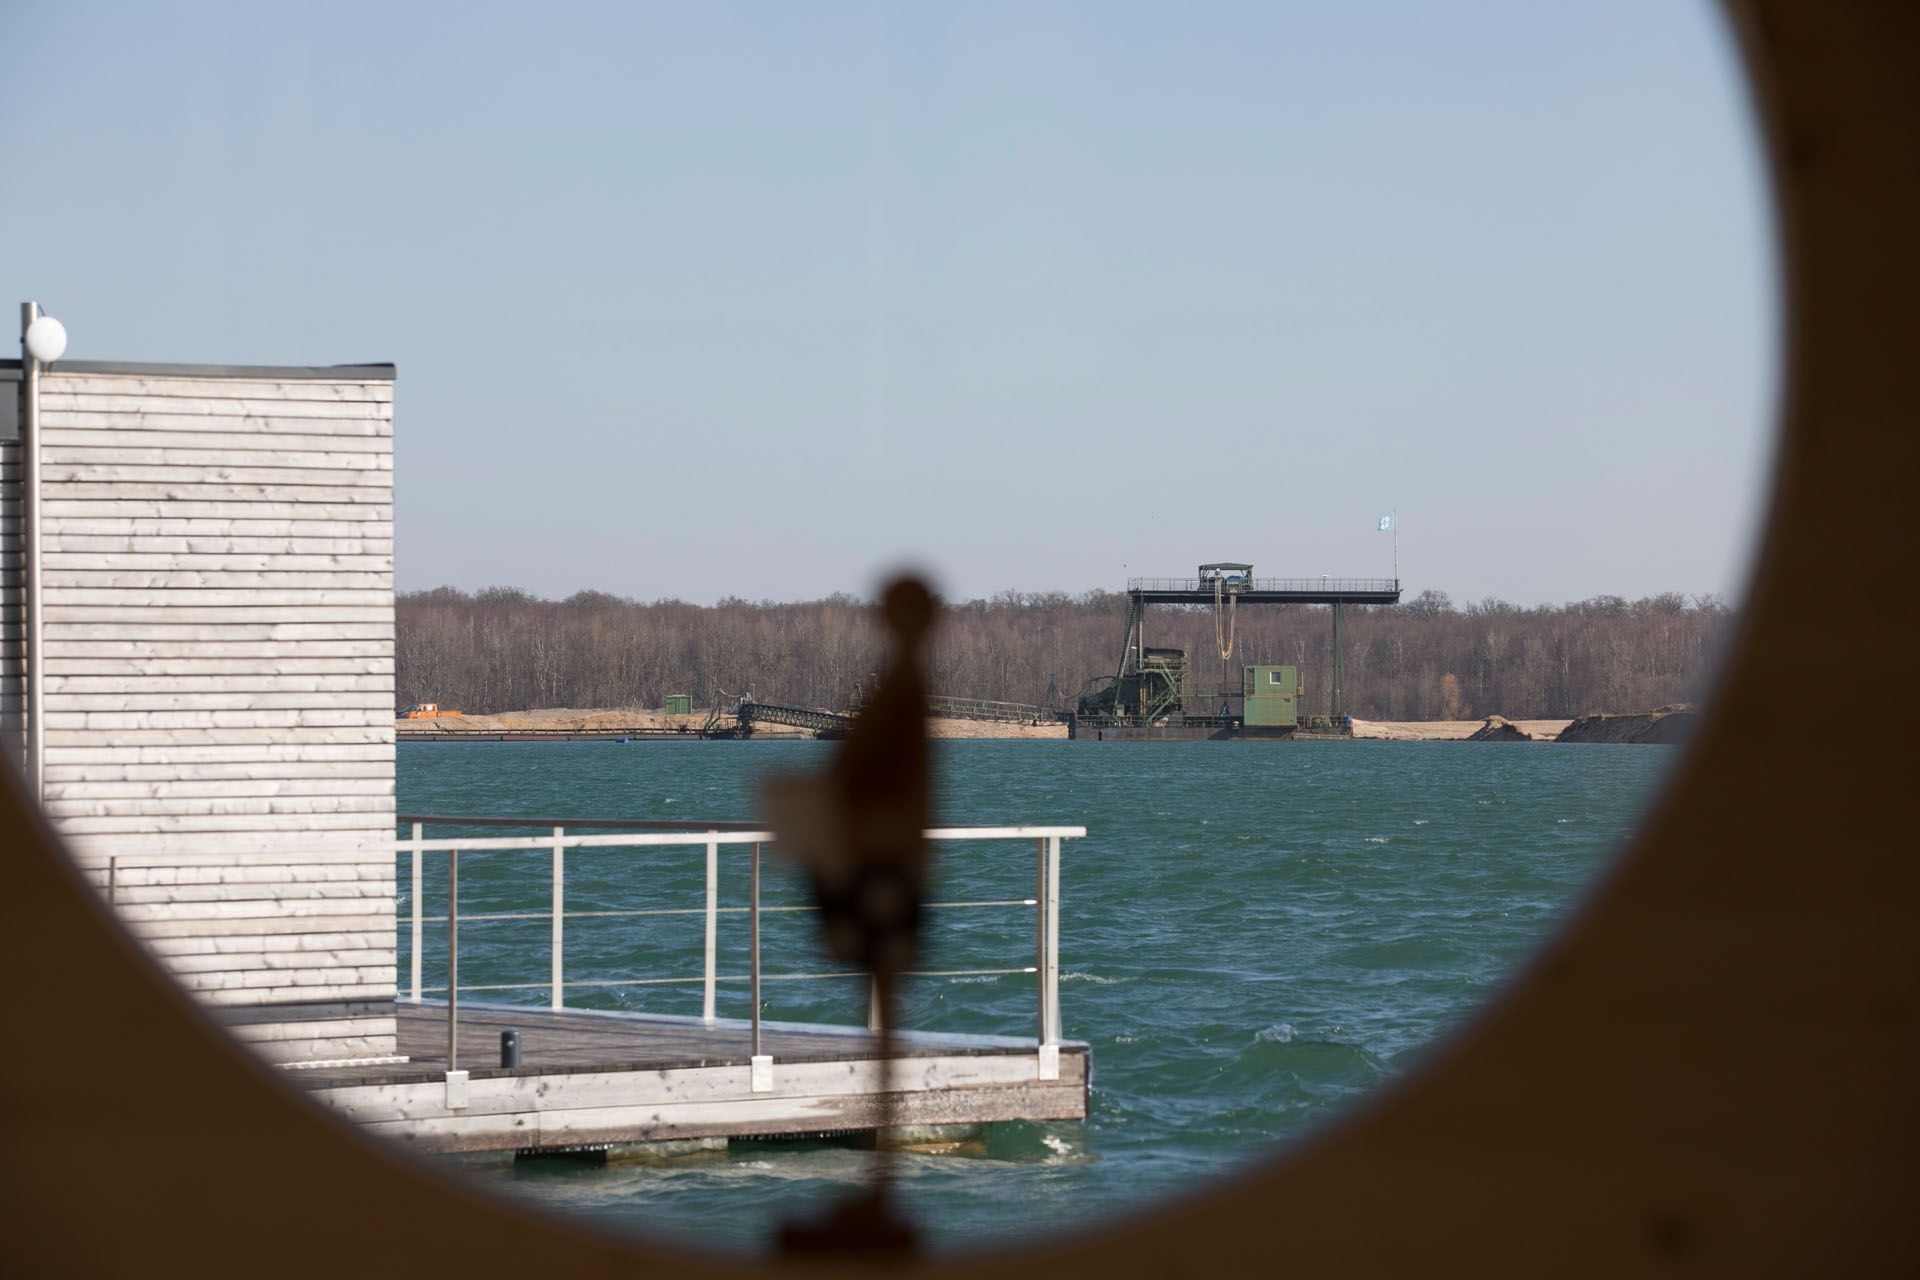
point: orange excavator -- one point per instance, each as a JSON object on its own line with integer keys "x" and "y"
{"x": 424, "y": 711}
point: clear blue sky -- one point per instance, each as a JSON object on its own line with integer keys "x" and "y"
{"x": 697, "y": 300}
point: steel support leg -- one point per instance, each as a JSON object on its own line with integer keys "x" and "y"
{"x": 1339, "y": 664}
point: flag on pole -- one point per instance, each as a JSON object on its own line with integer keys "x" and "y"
{"x": 1386, "y": 524}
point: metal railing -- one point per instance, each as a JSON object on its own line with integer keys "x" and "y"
{"x": 714, "y": 836}
{"x": 1295, "y": 586}
{"x": 985, "y": 709}
{"x": 750, "y": 712}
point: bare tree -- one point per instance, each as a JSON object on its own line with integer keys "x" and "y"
{"x": 505, "y": 649}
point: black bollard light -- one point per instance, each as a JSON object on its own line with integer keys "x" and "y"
{"x": 509, "y": 1048}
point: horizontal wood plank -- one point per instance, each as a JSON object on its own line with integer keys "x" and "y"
{"x": 195, "y": 497}
{"x": 264, "y": 943}
{"x": 63, "y": 506}
{"x": 280, "y": 870}
{"x": 293, "y": 421}
{"x": 121, "y": 666}
{"x": 318, "y": 620}
{"x": 281, "y": 962}
{"x": 328, "y": 910}
{"x": 330, "y": 783}
{"x": 211, "y": 568}
{"x": 252, "y": 926}
{"x": 267, "y": 995}
{"x": 291, "y": 479}
{"x": 268, "y": 751}
{"x": 283, "y": 775}
{"x": 230, "y": 688}
{"x": 289, "y": 815}
{"x": 164, "y": 439}
{"x": 289, "y": 524}
{"x": 332, "y": 1049}
{"x": 72, "y": 810}
{"x": 288, "y": 982}
{"x": 310, "y": 843}
{"x": 265, "y": 1032}
{"x": 167, "y": 387}
{"x": 190, "y": 897}
{"x": 98, "y": 457}
{"x": 124, "y": 543}
{"x": 336, "y": 701}
{"x": 55, "y": 402}
{"x": 236, "y": 636}
{"x": 165, "y": 741}
{"x": 239, "y": 588}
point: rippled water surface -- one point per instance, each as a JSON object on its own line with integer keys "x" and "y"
{"x": 1253, "y": 935}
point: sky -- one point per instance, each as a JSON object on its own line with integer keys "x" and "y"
{"x": 767, "y": 300}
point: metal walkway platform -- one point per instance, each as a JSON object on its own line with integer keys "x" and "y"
{"x": 1267, "y": 591}
{"x": 590, "y": 1079}
{"x": 752, "y": 715}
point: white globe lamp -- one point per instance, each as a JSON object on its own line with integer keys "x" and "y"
{"x": 46, "y": 339}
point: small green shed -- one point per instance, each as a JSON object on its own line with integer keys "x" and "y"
{"x": 679, "y": 704}
{"x": 1272, "y": 695}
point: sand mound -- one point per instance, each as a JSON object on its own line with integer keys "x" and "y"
{"x": 1499, "y": 729}
{"x": 1664, "y": 724}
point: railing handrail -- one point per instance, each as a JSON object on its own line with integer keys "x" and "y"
{"x": 623, "y": 824}
{"x": 972, "y": 831}
{"x": 711, "y": 835}
{"x": 1299, "y": 585}
{"x": 990, "y": 708}
{"x": 705, "y": 835}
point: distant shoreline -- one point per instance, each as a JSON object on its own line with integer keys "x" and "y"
{"x": 1668, "y": 724}
{"x": 1451, "y": 730}
{"x": 557, "y": 723}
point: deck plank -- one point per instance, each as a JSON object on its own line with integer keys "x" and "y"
{"x": 592, "y": 1081}
{"x": 567, "y": 1041}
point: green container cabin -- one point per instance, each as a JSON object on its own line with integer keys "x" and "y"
{"x": 1272, "y": 696}
{"x": 679, "y": 704}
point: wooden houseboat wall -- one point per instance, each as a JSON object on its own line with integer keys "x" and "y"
{"x": 217, "y": 560}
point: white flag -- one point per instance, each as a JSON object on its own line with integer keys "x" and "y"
{"x": 1386, "y": 524}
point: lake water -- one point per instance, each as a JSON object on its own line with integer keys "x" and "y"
{"x": 1253, "y": 936}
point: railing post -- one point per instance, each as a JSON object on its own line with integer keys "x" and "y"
{"x": 1040, "y": 932}
{"x": 753, "y": 924}
{"x": 873, "y": 1004}
{"x": 1339, "y": 700}
{"x": 416, "y": 856}
{"x": 559, "y": 916}
{"x": 713, "y": 921}
{"x": 1050, "y": 965}
{"x": 453, "y": 960}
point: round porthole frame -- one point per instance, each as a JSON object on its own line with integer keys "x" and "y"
{"x": 1708, "y": 1068}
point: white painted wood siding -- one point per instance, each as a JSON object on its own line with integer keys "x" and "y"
{"x": 219, "y": 681}
{"x": 12, "y": 597}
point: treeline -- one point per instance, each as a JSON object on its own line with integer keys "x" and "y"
{"x": 502, "y": 649}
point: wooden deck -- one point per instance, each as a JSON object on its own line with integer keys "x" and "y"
{"x": 591, "y": 1079}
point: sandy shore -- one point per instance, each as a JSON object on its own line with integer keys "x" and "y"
{"x": 597, "y": 720}
{"x": 1449, "y": 730}
{"x": 944, "y": 728}
{"x": 581, "y": 720}
{"x": 569, "y": 719}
